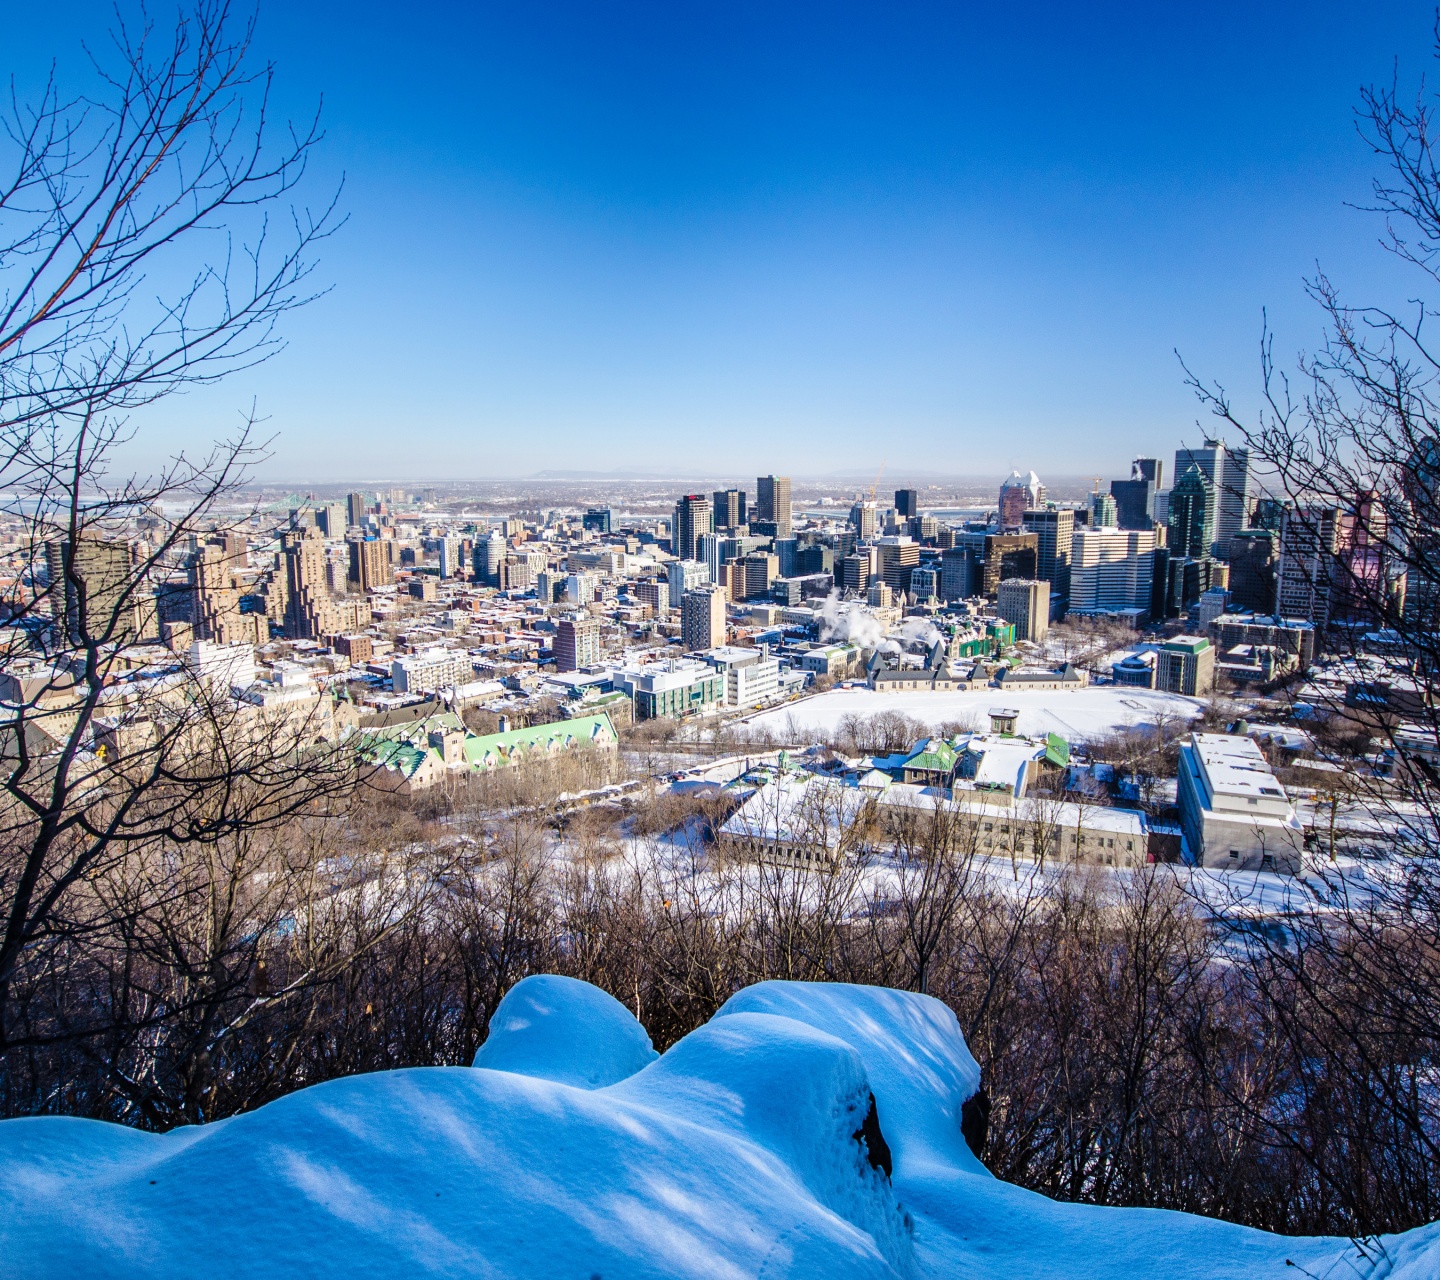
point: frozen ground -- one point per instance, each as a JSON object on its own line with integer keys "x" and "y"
{"x": 1075, "y": 715}
{"x": 805, "y": 1131}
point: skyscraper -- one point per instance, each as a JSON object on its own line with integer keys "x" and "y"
{"x": 1192, "y": 514}
{"x": 693, "y": 516}
{"x": 772, "y": 503}
{"x": 1019, "y": 494}
{"x": 1135, "y": 497}
{"x": 1228, "y": 473}
{"x": 1026, "y": 603}
{"x": 354, "y": 510}
{"x": 730, "y": 512}
{"x": 1054, "y": 530}
{"x": 907, "y": 504}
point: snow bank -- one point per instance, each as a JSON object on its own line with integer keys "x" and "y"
{"x": 564, "y": 1030}
{"x": 750, "y": 1149}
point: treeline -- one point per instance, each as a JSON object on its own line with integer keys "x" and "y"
{"x": 1133, "y": 1053}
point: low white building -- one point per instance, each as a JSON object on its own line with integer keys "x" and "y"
{"x": 431, "y": 670}
{"x": 752, "y": 676}
{"x": 1233, "y": 810}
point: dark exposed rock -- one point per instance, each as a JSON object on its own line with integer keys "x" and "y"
{"x": 975, "y": 1121}
{"x": 868, "y": 1135}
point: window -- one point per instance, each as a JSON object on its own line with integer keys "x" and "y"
{"x": 1234, "y": 853}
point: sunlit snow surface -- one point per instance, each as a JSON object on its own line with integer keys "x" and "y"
{"x": 731, "y": 1155}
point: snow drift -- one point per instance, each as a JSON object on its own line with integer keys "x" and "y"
{"x": 806, "y": 1130}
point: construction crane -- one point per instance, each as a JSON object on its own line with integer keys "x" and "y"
{"x": 875, "y": 482}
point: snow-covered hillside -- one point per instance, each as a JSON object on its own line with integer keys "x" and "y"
{"x": 806, "y": 1130}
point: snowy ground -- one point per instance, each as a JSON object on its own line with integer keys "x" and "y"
{"x": 1075, "y": 714}
{"x": 808, "y": 1130}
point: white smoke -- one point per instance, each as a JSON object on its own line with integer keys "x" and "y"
{"x": 850, "y": 622}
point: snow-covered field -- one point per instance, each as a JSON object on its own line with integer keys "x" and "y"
{"x": 1075, "y": 714}
{"x": 808, "y": 1130}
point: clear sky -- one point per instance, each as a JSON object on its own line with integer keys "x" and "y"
{"x": 736, "y": 237}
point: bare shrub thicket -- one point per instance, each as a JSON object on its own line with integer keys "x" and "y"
{"x": 1126, "y": 1057}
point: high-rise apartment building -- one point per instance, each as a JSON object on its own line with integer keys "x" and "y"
{"x": 489, "y": 552}
{"x": 331, "y": 519}
{"x": 355, "y": 509}
{"x": 772, "y": 503}
{"x": 308, "y": 615}
{"x": 654, "y": 594}
{"x": 730, "y": 508}
{"x": 577, "y": 643}
{"x": 702, "y": 618}
{"x": 449, "y": 556}
{"x": 96, "y": 599}
{"x": 1025, "y": 602}
{"x": 907, "y": 504}
{"x": 1192, "y": 514}
{"x": 1054, "y": 530}
{"x": 215, "y": 611}
{"x": 369, "y": 565}
{"x": 686, "y": 575}
{"x": 694, "y": 516}
{"x": 1112, "y": 570}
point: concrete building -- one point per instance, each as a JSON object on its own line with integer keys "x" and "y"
{"x": 752, "y": 676}
{"x": 1186, "y": 665}
{"x": 898, "y": 556}
{"x": 577, "y": 643}
{"x": 683, "y": 576}
{"x": 702, "y": 618}
{"x": 693, "y": 516}
{"x": 1233, "y": 810}
{"x": 1111, "y": 569}
{"x": 772, "y": 504}
{"x": 1310, "y": 542}
{"x": 98, "y": 589}
{"x": 865, "y": 520}
{"x": 730, "y": 508}
{"x": 1026, "y": 603}
{"x": 1054, "y": 530}
{"x": 369, "y": 565}
{"x": 671, "y": 690}
{"x": 654, "y": 594}
{"x": 430, "y": 671}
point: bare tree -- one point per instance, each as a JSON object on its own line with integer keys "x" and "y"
{"x": 160, "y": 179}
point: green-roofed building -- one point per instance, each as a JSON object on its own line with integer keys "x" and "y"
{"x": 415, "y": 756}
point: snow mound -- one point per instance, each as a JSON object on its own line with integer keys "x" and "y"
{"x": 564, "y": 1030}
{"x": 806, "y": 1131}
{"x": 800, "y": 1094}
{"x": 914, "y": 1055}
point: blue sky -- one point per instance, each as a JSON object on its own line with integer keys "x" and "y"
{"x": 731, "y": 238}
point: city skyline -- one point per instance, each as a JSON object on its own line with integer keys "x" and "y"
{"x": 587, "y": 243}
